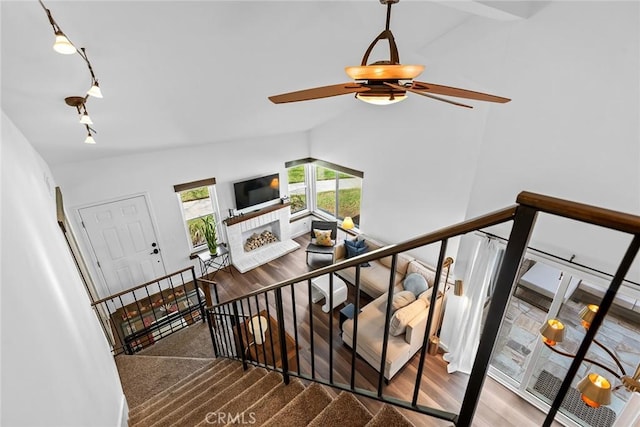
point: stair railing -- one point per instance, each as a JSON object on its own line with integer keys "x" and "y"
{"x": 231, "y": 320}
{"x": 144, "y": 314}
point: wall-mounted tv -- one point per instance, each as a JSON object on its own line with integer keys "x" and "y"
{"x": 255, "y": 191}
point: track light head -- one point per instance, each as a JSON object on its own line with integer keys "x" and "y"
{"x": 95, "y": 90}
{"x": 63, "y": 45}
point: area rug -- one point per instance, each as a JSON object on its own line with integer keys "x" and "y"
{"x": 548, "y": 385}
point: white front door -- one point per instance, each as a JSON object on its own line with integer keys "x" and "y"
{"x": 124, "y": 243}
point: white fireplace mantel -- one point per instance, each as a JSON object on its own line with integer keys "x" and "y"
{"x": 275, "y": 218}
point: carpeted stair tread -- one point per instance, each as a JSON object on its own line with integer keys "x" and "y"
{"x": 207, "y": 386}
{"x": 142, "y": 377}
{"x": 301, "y": 410}
{"x": 388, "y": 416}
{"x": 192, "y": 341}
{"x": 202, "y": 406}
{"x": 274, "y": 401}
{"x": 257, "y": 391}
{"x": 181, "y": 391}
{"x": 343, "y": 410}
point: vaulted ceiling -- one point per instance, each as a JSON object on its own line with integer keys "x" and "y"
{"x": 178, "y": 73}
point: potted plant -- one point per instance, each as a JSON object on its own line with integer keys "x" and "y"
{"x": 209, "y": 229}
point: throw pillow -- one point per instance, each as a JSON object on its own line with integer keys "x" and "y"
{"x": 323, "y": 237}
{"x": 416, "y": 283}
{"x": 402, "y": 317}
{"x": 426, "y": 296}
{"x": 402, "y": 299}
{"x": 355, "y": 248}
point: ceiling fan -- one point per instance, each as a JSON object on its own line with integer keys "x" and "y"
{"x": 386, "y": 82}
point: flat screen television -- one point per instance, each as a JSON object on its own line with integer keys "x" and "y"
{"x": 255, "y": 191}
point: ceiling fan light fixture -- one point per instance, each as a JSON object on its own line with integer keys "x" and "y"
{"x": 63, "y": 45}
{"x": 384, "y": 72}
{"x": 381, "y": 99}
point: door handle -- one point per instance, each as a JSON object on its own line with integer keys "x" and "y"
{"x": 155, "y": 251}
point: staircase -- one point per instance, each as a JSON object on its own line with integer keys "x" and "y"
{"x": 222, "y": 393}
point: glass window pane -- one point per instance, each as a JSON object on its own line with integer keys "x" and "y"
{"x": 326, "y": 190}
{"x": 297, "y": 188}
{"x": 349, "y": 196}
{"x": 196, "y": 205}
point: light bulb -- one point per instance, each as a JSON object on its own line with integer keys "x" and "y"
{"x": 85, "y": 119}
{"x": 63, "y": 45}
{"x": 380, "y": 99}
{"x": 95, "y": 91}
{"x": 89, "y": 140}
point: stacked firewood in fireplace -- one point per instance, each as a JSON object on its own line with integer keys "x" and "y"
{"x": 258, "y": 240}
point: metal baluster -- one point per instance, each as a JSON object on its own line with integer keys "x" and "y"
{"x": 354, "y": 343}
{"x": 330, "y": 302}
{"x": 246, "y": 331}
{"x": 605, "y": 304}
{"x": 427, "y": 332}
{"x": 264, "y": 342}
{"x": 524, "y": 220}
{"x": 281, "y": 332}
{"x": 210, "y": 314}
{"x": 273, "y": 349}
{"x": 255, "y": 346}
{"x": 295, "y": 325}
{"x": 195, "y": 285}
{"x": 125, "y": 342}
{"x": 239, "y": 332}
{"x": 313, "y": 355}
{"x": 387, "y": 318}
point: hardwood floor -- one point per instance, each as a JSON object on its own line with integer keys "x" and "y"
{"x": 497, "y": 406}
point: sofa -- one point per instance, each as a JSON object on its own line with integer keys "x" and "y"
{"x": 371, "y": 322}
{"x": 374, "y": 280}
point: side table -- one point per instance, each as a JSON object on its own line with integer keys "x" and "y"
{"x": 217, "y": 262}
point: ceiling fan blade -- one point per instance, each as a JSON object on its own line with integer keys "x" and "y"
{"x": 410, "y": 89}
{"x": 457, "y": 92}
{"x": 318, "y": 92}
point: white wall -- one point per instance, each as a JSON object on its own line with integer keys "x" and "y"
{"x": 57, "y": 368}
{"x": 155, "y": 174}
{"x": 571, "y": 130}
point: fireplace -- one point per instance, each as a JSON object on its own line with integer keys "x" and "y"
{"x": 269, "y": 228}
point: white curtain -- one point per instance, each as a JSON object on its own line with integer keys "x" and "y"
{"x": 478, "y": 258}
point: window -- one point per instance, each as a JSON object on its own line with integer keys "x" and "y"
{"x": 329, "y": 190}
{"x": 297, "y": 188}
{"x": 198, "y": 200}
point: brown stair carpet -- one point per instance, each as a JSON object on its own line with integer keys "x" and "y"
{"x": 346, "y": 409}
{"x": 183, "y": 393}
{"x": 144, "y": 376}
{"x": 170, "y": 393}
{"x": 165, "y": 387}
{"x": 272, "y": 402}
{"x": 257, "y": 391}
{"x": 388, "y": 416}
{"x": 302, "y": 409}
{"x": 211, "y": 406}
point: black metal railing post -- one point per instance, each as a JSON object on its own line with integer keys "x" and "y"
{"x": 524, "y": 220}
{"x": 604, "y": 306}
{"x": 427, "y": 332}
{"x": 311, "y": 340}
{"x": 387, "y": 320}
{"x": 197, "y": 289}
{"x": 281, "y": 332}
{"x": 210, "y": 324}
{"x": 354, "y": 340}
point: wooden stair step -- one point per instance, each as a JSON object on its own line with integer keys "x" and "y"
{"x": 202, "y": 407}
{"x": 343, "y": 410}
{"x": 304, "y": 408}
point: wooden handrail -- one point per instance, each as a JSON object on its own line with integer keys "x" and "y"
{"x": 464, "y": 227}
{"x": 151, "y": 282}
{"x": 608, "y": 218}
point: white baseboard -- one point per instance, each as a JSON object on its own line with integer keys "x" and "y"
{"x": 124, "y": 413}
